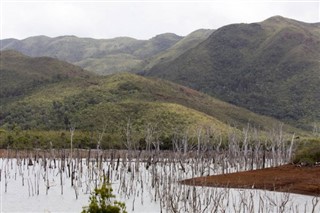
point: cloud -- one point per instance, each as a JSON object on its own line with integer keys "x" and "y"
{"x": 139, "y": 19}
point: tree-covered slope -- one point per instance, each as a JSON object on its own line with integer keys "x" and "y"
{"x": 115, "y": 103}
{"x": 113, "y": 100}
{"x": 102, "y": 56}
{"x": 187, "y": 43}
{"x": 271, "y": 68}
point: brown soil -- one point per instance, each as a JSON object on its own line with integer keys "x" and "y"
{"x": 287, "y": 178}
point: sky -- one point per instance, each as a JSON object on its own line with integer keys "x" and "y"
{"x": 141, "y": 19}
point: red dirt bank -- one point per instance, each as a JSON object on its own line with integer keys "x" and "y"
{"x": 287, "y": 178}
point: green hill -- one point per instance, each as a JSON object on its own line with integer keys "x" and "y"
{"x": 271, "y": 68}
{"x": 91, "y": 102}
{"x": 102, "y": 56}
{"x": 21, "y": 74}
{"x": 187, "y": 43}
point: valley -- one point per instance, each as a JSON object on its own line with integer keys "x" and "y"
{"x": 211, "y": 121}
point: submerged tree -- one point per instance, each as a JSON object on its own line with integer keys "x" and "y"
{"x": 101, "y": 201}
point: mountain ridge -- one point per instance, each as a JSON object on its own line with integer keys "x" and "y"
{"x": 84, "y": 51}
{"x": 270, "y": 67}
{"x": 188, "y": 42}
{"x": 106, "y": 56}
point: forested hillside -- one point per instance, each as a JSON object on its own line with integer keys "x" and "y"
{"x": 115, "y": 103}
{"x": 188, "y": 42}
{"x": 271, "y": 68}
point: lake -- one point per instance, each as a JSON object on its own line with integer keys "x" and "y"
{"x": 145, "y": 184}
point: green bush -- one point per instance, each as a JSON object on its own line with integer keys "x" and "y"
{"x": 101, "y": 201}
{"x": 306, "y": 161}
{"x": 308, "y": 152}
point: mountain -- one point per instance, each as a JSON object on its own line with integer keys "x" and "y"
{"x": 187, "y": 43}
{"x": 117, "y": 101}
{"x": 21, "y": 74}
{"x": 102, "y": 56}
{"x": 271, "y": 68}
{"x": 107, "y": 56}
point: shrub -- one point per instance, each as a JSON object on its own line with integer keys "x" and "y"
{"x": 308, "y": 152}
{"x": 101, "y": 201}
{"x": 307, "y": 161}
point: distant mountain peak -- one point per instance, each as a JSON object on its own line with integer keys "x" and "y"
{"x": 37, "y": 37}
{"x": 167, "y": 35}
{"x": 276, "y": 18}
{"x": 280, "y": 19}
{"x": 66, "y": 36}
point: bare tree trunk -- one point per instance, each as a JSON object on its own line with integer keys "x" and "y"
{"x": 72, "y": 129}
{"x": 290, "y": 149}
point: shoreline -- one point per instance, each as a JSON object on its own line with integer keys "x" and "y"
{"x": 286, "y": 178}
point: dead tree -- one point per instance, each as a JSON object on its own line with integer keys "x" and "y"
{"x": 72, "y": 129}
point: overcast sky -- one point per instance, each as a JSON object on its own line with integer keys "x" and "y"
{"x": 140, "y": 19}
